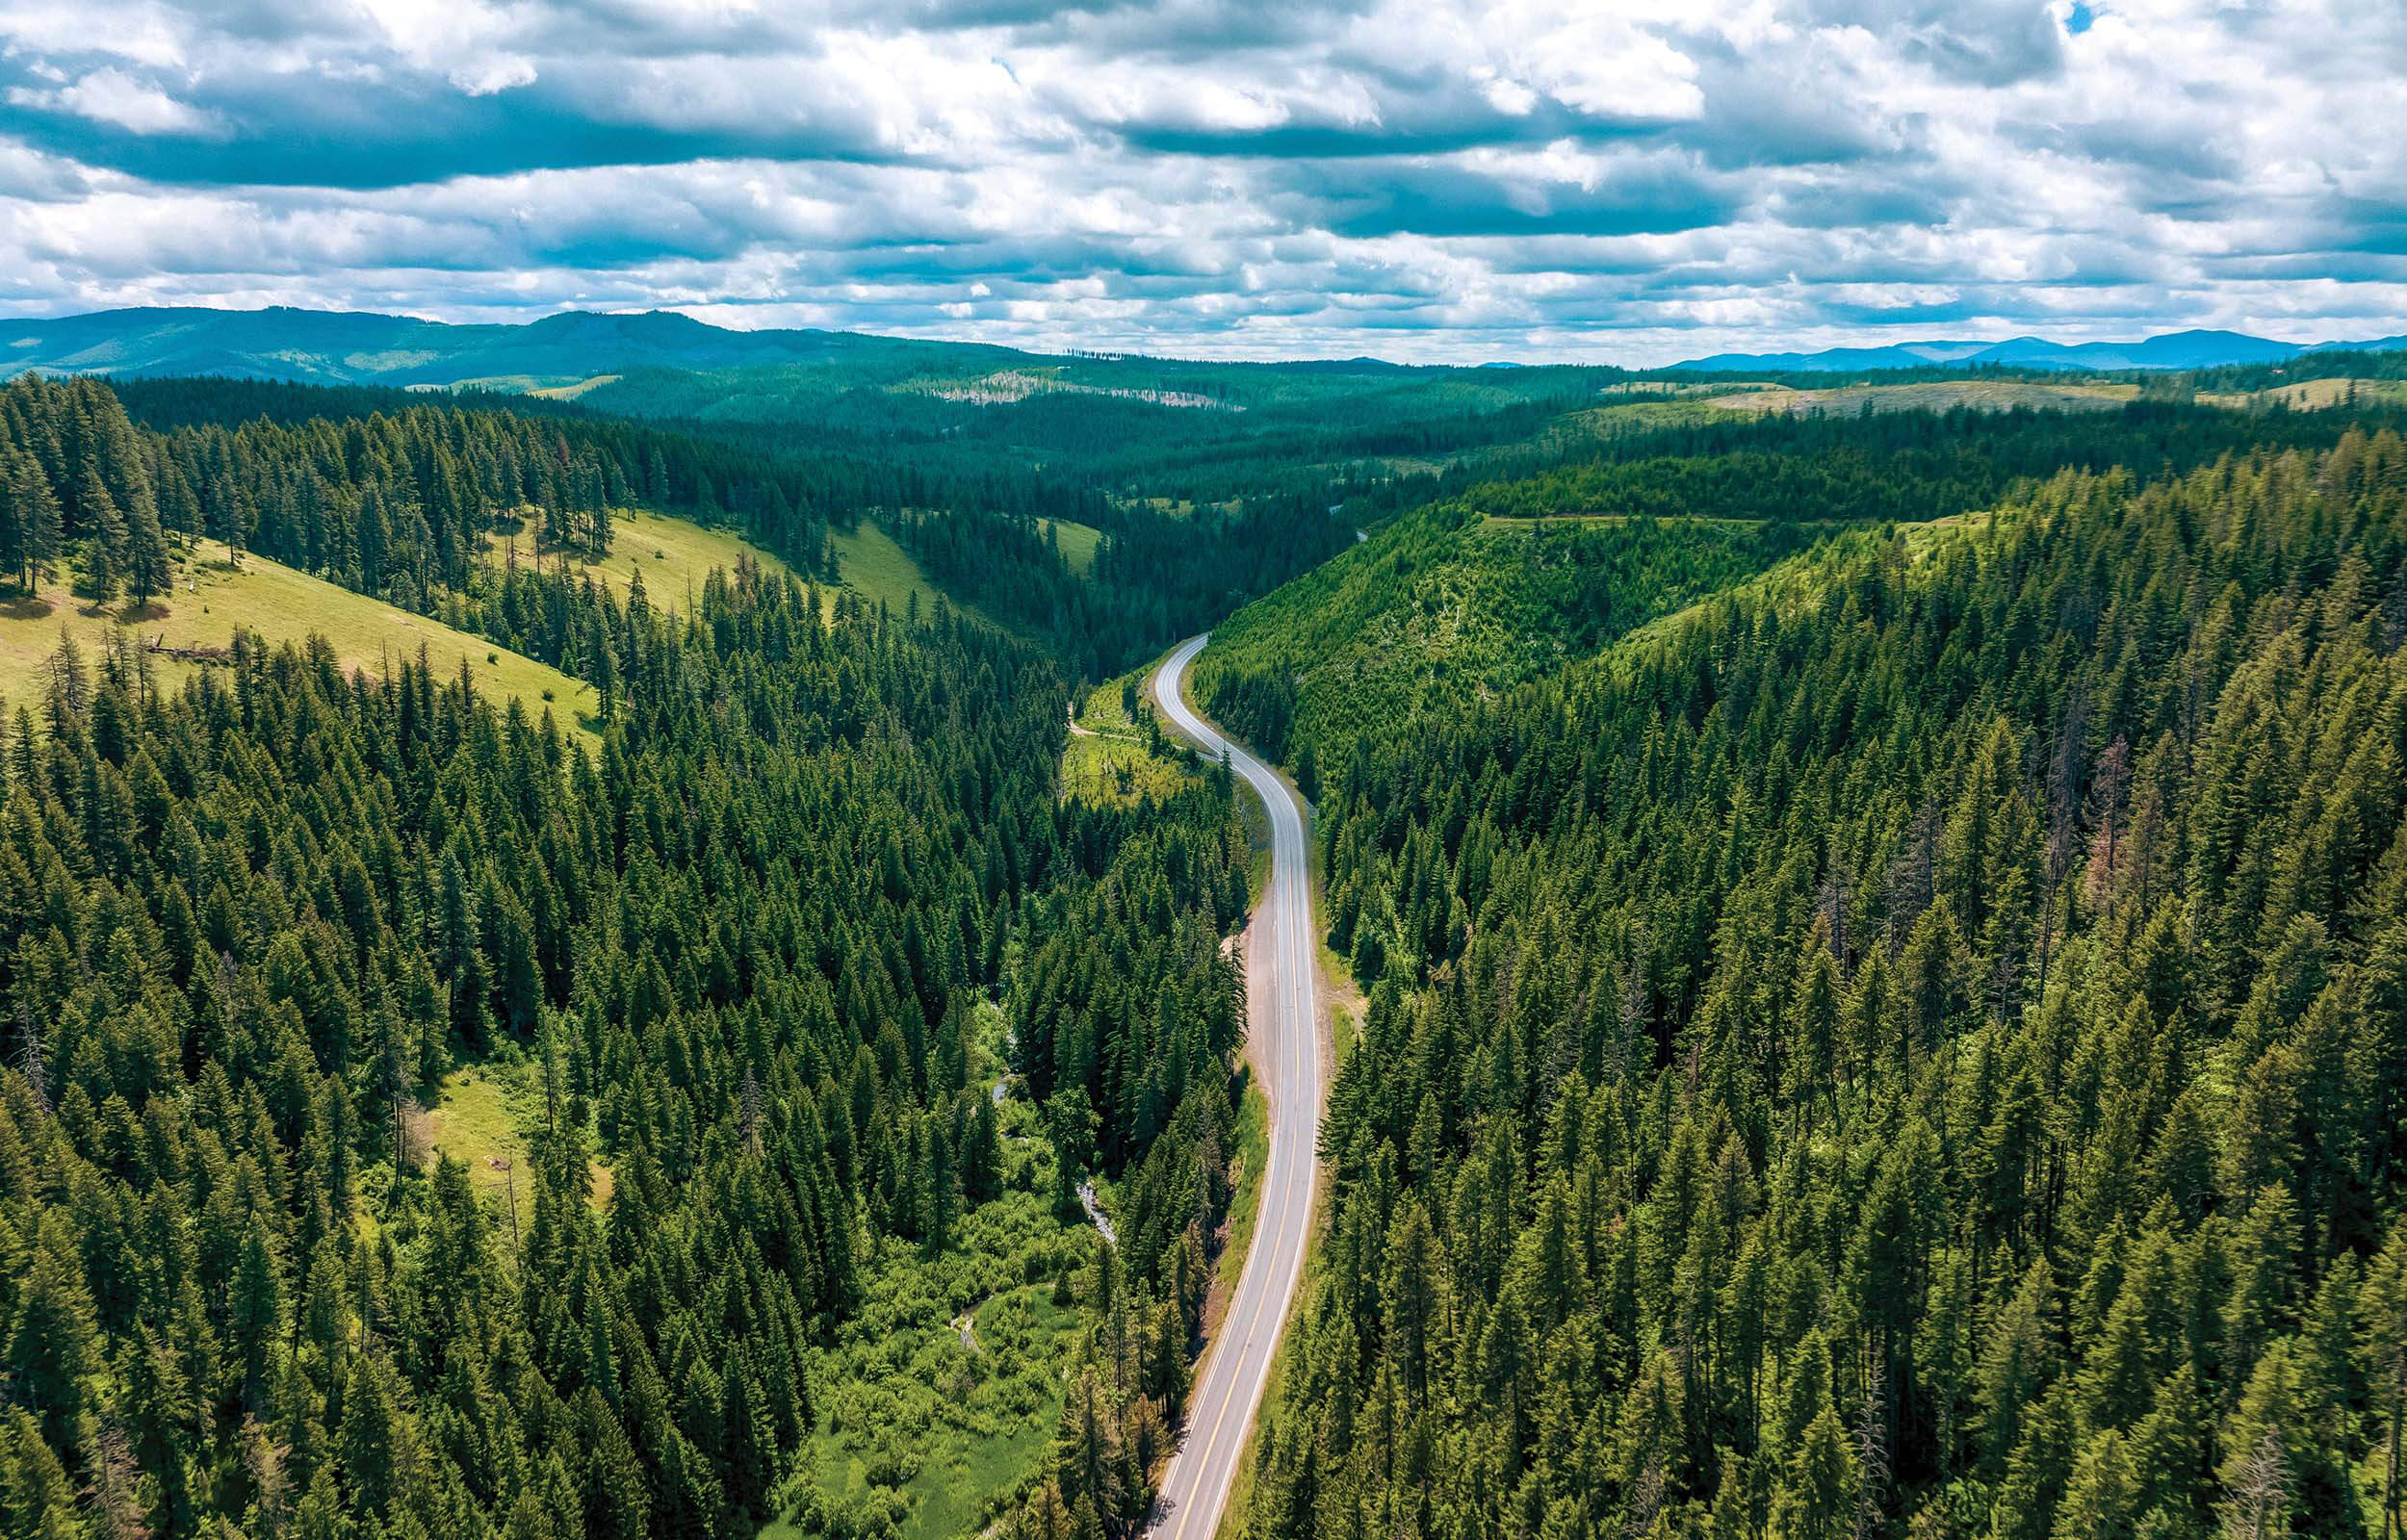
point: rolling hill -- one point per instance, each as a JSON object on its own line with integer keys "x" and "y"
{"x": 214, "y": 597}
{"x": 2183, "y": 350}
{"x": 1447, "y": 607}
{"x": 345, "y": 348}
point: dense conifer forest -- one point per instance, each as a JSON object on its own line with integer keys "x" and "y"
{"x": 1699, "y": 461}
{"x": 1883, "y": 943}
{"x": 1155, "y": 578}
{"x": 400, "y": 497}
{"x": 1915, "y": 1047}
{"x": 396, "y": 504}
{"x": 752, "y": 949}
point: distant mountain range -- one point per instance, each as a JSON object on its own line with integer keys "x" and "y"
{"x": 353, "y": 348}
{"x": 347, "y": 347}
{"x": 2178, "y": 349}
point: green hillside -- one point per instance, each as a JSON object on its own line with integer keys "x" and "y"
{"x": 1077, "y": 542}
{"x": 213, "y": 598}
{"x": 675, "y": 556}
{"x": 798, "y": 1007}
{"x": 1934, "y": 395}
{"x": 1445, "y": 606}
{"x": 1913, "y": 1045}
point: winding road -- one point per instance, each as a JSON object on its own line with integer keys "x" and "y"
{"x": 1283, "y": 1023}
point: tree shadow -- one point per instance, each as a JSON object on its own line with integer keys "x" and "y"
{"x": 25, "y": 607}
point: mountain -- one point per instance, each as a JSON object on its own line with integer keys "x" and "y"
{"x": 1882, "y": 1008}
{"x": 349, "y": 348}
{"x": 355, "y": 347}
{"x": 2379, "y": 344}
{"x": 2181, "y": 349}
{"x": 1896, "y": 355}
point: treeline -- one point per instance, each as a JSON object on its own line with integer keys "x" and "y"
{"x": 1057, "y": 446}
{"x": 395, "y": 504}
{"x": 1320, "y": 422}
{"x": 1716, "y": 463}
{"x": 836, "y": 484}
{"x": 2331, "y": 363}
{"x": 1920, "y": 1048}
{"x": 247, "y": 929}
{"x": 1155, "y": 578}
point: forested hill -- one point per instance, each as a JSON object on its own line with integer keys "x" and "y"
{"x": 1918, "y": 1048}
{"x": 1155, "y": 578}
{"x": 394, "y": 504}
{"x": 1509, "y": 576}
{"x": 835, "y": 481}
{"x": 753, "y": 964}
{"x": 398, "y": 496}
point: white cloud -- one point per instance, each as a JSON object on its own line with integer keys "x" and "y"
{"x": 500, "y": 72}
{"x": 112, "y": 96}
{"x": 1430, "y": 178}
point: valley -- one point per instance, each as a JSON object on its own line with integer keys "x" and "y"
{"x": 1126, "y": 770}
{"x": 1653, "y": 948}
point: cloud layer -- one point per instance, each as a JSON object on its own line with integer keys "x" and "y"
{"x": 1435, "y": 179}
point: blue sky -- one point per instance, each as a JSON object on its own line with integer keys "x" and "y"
{"x": 1633, "y": 182}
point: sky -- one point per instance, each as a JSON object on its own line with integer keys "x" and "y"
{"x": 1623, "y": 181}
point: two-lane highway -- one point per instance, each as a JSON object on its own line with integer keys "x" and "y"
{"x": 1284, "y": 1025}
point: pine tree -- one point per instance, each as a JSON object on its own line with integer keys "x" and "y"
{"x": 1816, "y": 1500}
{"x": 41, "y": 527}
{"x": 147, "y": 568}
{"x": 105, "y": 539}
{"x": 56, "y": 1345}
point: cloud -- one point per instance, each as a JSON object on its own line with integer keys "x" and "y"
{"x": 1422, "y": 178}
{"x": 110, "y": 96}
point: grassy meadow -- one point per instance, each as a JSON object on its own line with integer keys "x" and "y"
{"x": 674, "y": 555}
{"x": 868, "y": 562}
{"x": 215, "y": 596}
{"x": 1077, "y": 542}
{"x": 483, "y": 1118}
{"x": 1114, "y": 757}
{"x": 1933, "y": 396}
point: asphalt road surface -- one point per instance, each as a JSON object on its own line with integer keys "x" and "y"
{"x": 1284, "y": 1021}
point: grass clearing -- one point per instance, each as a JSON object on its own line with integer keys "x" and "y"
{"x": 569, "y": 393}
{"x": 1101, "y": 770}
{"x": 919, "y": 1430}
{"x": 871, "y": 565}
{"x": 2311, "y": 396}
{"x": 1932, "y": 396}
{"x": 1077, "y": 542}
{"x": 674, "y": 555}
{"x": 213, "y": 598}
{"x": 480, "y": 1120}
{"x": 1115, "y": 755}
{"x": 964, "y": 1448}
{"x": 1633, "y": 390}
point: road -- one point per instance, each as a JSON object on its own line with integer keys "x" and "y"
{"x": 1284, "y": 1024}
